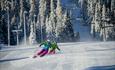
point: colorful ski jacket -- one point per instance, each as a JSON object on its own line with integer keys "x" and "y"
{"x": 54, "y": 46}
{"x": 46, "y": 44}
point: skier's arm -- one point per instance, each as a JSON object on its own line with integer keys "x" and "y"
{"x": 50, "y": 45}
{"x": 41, "y": 44}
{"x": 57, "y": 47}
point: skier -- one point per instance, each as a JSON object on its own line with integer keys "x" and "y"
{"x": 46, "y": 45}
{"x": 53, "y": 47}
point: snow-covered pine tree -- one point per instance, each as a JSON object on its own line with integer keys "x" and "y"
{"x": 21, "y": 13}
{"x": 94, "y": 9}
{"x": 38, "y": 29}
{"x": 108, "y": 26}
{"x": 3, "y": 30}
{"x": 84, "y": 9}
{"x": 32, "y": 10}
{"x": 93, "y": 13}
{"x": 112, "y": 34}
{"x": 102, "y": 34}
{"x": 32, "y": 37}
{"x": 97, "y": 17}
{"x": 80, "y": 2}
{"x": 48, "y": 29}
{"x": 42, "y": 15}
{"x": 52, "y": 22}
{"x": 59, "y": 18}
{"x": 112, "y": 5}
{"x": 67, "y": 33}
{"x": 48, "y": 7}
{"x": 93, "y": 27}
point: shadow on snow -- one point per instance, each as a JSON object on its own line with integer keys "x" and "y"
{"x": 112, "y": 67}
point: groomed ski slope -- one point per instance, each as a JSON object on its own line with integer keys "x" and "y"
{"x": 77, "y": 20}
{"x": 73, "y": 56}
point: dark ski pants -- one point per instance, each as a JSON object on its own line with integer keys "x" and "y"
{"x": 42, "y": 52}
{"x": 52, "y": 52}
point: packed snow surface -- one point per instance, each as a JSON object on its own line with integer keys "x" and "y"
{"x": 73, "y": 56}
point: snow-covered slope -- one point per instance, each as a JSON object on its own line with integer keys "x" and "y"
{"x": 77, "y": 20}
{"x": 73, "y": 56}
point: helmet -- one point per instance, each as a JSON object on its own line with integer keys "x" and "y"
{"x": 48, "y": 40}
